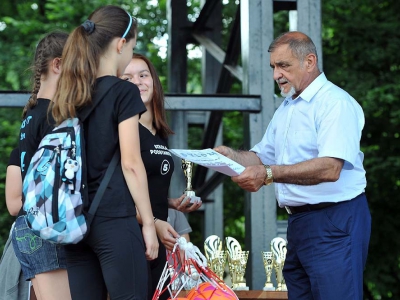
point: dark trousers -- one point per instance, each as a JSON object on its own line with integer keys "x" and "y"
{"x": 110, "y": 260}
{"x": 156, "y": 267}
{"x": 327, "y": 251}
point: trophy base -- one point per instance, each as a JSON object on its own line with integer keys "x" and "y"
{"x": 192, "y": 196}
{"x": 190, "y": 193}
{"x": 269, "y": 287}
{"x": 240, "y": 288}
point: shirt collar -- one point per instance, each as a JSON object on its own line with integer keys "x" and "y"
{"x": 310, "y": 91}
{"x": 313, "y": 88}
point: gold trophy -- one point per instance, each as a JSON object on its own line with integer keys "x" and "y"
{"x": 187, "y": 167}
{"x": 268, "y": 260}
{"x": 237, "y": 260}
{"x": 278, "y": 247}
{"x": 216, "y": 257}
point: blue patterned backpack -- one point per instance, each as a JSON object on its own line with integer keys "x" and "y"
{"x": 54, "y": 187}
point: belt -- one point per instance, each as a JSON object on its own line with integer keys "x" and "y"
{"x": 308, "y": 207}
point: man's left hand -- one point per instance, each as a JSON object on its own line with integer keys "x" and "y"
{"x": 251, "y": 179}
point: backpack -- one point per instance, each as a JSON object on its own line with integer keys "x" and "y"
{"x": 55, "y": 189}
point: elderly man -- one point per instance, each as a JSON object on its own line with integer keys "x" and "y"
{"x": 311, "y": 150}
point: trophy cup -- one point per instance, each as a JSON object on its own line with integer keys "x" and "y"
{"x": 187, "y": 167}
{"x": 237, "y": 260}
{"x": 278, "y": 247}
{"x": 216, "y": 257}
{"x": 268, "y": 260}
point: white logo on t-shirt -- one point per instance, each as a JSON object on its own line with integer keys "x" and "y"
{"x": 165, "y": 167}
{"x": 160, "y": 150}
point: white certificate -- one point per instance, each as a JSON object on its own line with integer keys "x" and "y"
{"x": 210, "y": 159}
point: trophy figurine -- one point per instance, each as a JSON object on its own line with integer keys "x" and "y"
{"x": 268, "y": 260}
{"x": 237, "y": 260}
{"x": 216, "y": 257}
{"x": 284, "y": 287}
{"x": 187, "y": 167}
{"x": 278, "y": 247}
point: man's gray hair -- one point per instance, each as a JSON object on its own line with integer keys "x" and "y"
{"x": 300, "y": 44}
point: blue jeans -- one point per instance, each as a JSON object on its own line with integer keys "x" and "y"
{"x": 35, "y": 254}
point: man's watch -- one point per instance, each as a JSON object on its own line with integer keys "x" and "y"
{"x": 268, "y": 178}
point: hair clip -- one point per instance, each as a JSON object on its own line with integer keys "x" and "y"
{"x": 88, "y": 26}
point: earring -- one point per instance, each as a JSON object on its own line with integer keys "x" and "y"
{"x": 120, "y": 52}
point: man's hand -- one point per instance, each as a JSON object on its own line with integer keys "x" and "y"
{"x": 245, "y": 158}
{"x": 251, "y": 179}
{"x": 226, "y": 151}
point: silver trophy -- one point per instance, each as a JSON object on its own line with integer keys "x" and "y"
{"x": 278, "y": 248}
{"x": 216, "y": 257}
{"x": 268, "y": 260}
{"x": 187, "y": 167}
{"x": 237, "y": 261}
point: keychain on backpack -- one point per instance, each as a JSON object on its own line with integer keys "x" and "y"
{"x": 71, "y": 166}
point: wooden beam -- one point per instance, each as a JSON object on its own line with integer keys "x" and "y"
{"x": 14, "y": 99}
{"x": 177, "y": 102}
{"x": 203, "y": 102}
{"x": 218, "y": 54}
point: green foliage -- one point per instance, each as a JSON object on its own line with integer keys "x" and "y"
{"x": 361, "y": 56}
{"x": 9, "y": 130}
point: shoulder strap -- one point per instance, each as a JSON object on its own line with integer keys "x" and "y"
{"x": 99, "y": 93}
{"x": 102, "y": 188}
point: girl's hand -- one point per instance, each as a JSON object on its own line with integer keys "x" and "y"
{"x": 183, "y": 204}
{"x": 150, "y": 241}
{"x": 167, "y": 234}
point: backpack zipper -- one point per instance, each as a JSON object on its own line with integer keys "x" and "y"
{"x": 54, "y": 204}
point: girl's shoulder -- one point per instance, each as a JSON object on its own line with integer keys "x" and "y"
{"x": 117, "y": 85}
{"x": 38, "y": 114}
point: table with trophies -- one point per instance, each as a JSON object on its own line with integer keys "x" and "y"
{"x": 273, "y": 260}
{"x": 218, "y": 254}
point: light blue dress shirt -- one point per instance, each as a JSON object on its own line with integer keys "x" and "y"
{"x": 323, "y": 121}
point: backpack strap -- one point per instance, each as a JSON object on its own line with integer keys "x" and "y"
{"x": 99, "y": 94}
{"x": 102, "y": 188}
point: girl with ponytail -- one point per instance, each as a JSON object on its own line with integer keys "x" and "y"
{"x": 112, "y": 258}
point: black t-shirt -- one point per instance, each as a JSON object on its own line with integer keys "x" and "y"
{"x": 14, "y": 158}
{"x": 15, "y": 161}
{"x": 36, "y": 125}
{"x": 122, "y": 102}
{"x": 159, "y": 168}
